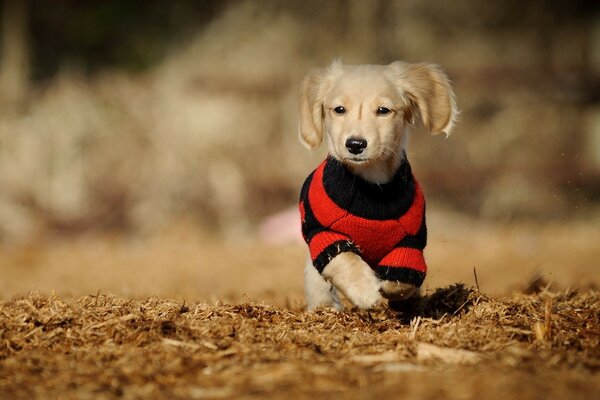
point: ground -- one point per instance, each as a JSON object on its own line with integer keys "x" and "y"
{"x": 185, "y": 315}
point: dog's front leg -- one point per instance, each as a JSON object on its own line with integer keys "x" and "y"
{"x": 354, "y": 278}
{"x": 319, "y": 292}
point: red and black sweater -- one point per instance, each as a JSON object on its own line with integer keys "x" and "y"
{"x": 384, "y": 224}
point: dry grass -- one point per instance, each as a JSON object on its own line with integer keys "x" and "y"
{"x": 225, "y": 319}
{"x": 462, "y": 344}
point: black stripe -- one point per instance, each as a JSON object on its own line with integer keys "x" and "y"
{"x": 310, "y": 225}
{"x": 305, "y": 186}
{"x": 341, "y": 246}
{"x": 401, "y": 274}
{"x": 418, "y": 241}
{"x": 369, "y": 200}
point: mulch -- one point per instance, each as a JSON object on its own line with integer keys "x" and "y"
{"x": 453, "y": 343}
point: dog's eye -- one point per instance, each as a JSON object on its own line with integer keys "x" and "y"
{"x": 383, "y": 111}
{"x": 339, "y": 110}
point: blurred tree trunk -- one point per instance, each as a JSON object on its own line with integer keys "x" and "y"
{"x": 14, "y": 61}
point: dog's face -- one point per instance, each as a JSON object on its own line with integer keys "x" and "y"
{"x": 365, "y": 109}
{"x": 364, "y": 116}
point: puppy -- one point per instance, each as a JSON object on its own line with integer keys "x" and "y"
{"x": 363, "y": 213}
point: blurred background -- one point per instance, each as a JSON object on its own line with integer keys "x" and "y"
{"x": 150, "y": 147}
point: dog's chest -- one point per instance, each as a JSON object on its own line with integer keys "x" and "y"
{"x": 375, "y": 219}
{"x": 375, "y": 238}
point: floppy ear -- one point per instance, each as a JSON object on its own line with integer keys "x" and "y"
{"x": 313, "y": 90}
{"x": 429, "y": 90}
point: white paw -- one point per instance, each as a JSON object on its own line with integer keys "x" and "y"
{"x": 355, "y": 279}
{"x": 363, "y": 293}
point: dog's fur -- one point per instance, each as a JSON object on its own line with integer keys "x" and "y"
{"x": 408, "y": 91}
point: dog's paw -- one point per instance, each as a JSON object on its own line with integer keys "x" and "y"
{"x": 394, "y": 290}
{"x": 355, "y": 279}
{"x": 364, "y": 294}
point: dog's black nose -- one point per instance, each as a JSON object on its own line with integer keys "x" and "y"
{"x": 356, "y": 145}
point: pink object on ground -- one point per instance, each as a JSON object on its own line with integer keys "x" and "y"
{"x": 281, "y": 227}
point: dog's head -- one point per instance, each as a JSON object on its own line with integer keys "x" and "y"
{"x": 364, "y": 110}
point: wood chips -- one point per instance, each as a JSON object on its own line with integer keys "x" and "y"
{"x": 454, "y": 343}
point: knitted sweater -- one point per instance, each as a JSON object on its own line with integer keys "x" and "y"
{"x": 384, "y": 224}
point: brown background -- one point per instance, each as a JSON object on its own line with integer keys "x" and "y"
{"x": 143, "y": 144}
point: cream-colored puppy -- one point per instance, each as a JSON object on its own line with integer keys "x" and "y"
{"x": 365, "y": 112}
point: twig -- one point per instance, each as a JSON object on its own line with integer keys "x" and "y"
{"x": 548, "y": 317}
{"x": 96, "y": 299}
{"x": 544, "y": 330}
{"x": 476, "y": 280}
{"x": 413, "y": 333}
{"x": 462, "y": 306}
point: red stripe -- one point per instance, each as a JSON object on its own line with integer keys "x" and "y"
{"x": 324, "y": 209}
{"x": 405, "y": 257}
{"x": 374, "y": 238}
{"x": 411, "y": 221}
{"x": 321, "y": 240}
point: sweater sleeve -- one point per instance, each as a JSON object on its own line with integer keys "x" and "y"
{"x": 405, "y": 263}
{"x": 323, "y": 243}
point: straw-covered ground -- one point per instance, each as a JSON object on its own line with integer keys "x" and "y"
{"x": 455, "y": 343}
{"x": 195, "y": 316}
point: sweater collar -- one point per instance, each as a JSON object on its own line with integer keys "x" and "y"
{"x": 369, "y": 200}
